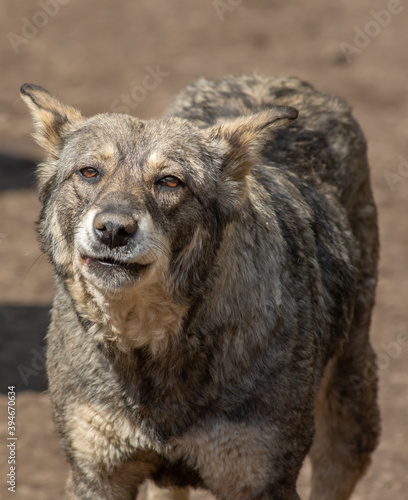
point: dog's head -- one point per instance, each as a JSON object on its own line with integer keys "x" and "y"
{"x": 124, "y": 198}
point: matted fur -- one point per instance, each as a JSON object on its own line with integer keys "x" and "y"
{"x": 215, "y": 274}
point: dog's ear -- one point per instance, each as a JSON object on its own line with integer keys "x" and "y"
{"x": 244, "y": 138}
{"x": 240, "y": 142}
{"x": 51, "y": 117}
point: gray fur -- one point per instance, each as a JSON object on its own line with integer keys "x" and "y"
{"x": 202, "y": 340}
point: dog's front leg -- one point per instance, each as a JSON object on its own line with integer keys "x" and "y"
{"x": 118, "y": 485}
{"x": 248, "y": 461}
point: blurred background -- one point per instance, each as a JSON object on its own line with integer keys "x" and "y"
{"x": 96, "y": 55}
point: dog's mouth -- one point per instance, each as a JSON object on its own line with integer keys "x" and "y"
{"x": 108, "y": 268}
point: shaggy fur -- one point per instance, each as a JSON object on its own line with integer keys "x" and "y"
{"x": 215, "y": 276}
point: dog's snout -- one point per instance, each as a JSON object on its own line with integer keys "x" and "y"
{"x": 114, "y": 229}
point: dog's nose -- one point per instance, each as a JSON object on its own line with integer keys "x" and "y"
{"x": 114, "y": 229}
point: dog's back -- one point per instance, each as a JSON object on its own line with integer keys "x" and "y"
{"x": 325, "y": 140}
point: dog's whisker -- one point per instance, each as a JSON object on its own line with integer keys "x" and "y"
{"x": 38, "y": 260}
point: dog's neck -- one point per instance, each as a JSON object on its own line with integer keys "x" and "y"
{"x": 142, "y": 315}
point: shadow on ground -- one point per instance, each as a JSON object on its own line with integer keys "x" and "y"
{"x": 22, "y": 360}
{"x": 16, "y": 173}
{"x": 22, "y": 327}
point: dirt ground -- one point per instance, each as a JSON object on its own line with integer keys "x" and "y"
{"x": 95, "y": 55}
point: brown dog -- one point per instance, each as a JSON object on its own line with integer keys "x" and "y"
{"x": 215, "y": 278}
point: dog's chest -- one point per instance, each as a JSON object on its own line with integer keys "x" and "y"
{"x": 140, "y": 316}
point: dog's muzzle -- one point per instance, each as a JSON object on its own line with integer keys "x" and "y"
{"x": 114, "y": 245}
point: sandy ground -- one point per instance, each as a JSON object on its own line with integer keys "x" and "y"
{"x": 93, "y": 54}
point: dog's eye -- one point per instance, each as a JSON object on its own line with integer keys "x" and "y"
{"x": 89, "y": 172}
{"x": 169, "y": 181}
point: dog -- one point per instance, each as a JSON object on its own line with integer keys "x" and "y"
{"x": 215, "y": 276}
